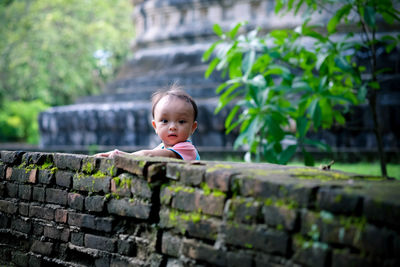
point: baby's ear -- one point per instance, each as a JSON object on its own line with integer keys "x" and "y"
{"x": 153, "y": 122}
{"x": 194, "y": 126}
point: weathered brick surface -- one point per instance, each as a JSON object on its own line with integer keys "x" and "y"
{"x": 64, "y": 178}
{"x": 92, "y": 184}
{"x": 125, "y": 207}
{"x": 12, "y": 157}
{"x": 68, "y": 161}
{"x": 94, "y": 203}
{"x": 76, "y": 201}
{"x": 153, "y": 212}
{"x": 25, "y": 192}
{"x": 56, "y": 196}
{"x": 101, "y": 243}
{"x": 45, "y": 177}
{"x": 41, "y": 212}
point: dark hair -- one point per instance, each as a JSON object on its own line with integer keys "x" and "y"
{"x": 175, "y": 91}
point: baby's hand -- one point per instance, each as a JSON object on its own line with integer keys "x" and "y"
{"x": 143, "y": 153}
{"x": 109, "y": 154}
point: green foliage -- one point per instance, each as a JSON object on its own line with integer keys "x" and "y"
{"x": 290, "y": 82}
{"x": 18, "y": 121}
{"x": 56, "y": 51}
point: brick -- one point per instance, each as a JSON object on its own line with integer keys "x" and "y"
{"x": 171, "y": 245}
{"x": 304, "y": 196}
{"x": 100, "y": 242}
{"x": 378, "y": 241}
{"x": 166, "y": 195}
{"x": 38, "y": 229}
{"x": 9, "y": 172}
{"x": 126, "y": 247}
{"x": 56, "y": 196}
{"x": 386, "y": 211}
{"x": 12, "y": 157}
{"x": 64, "y": 178}
{"x": 155, "y": 172}
{"x": 90, "y": 164}
{"x": 244, "y": 210}
{"x": 121, "y": 185}
{"x": 71, "y": 162}
{"x": 55, "y": 233}
{"x": 340, "y": 259}
{"x": 41, "y": 212}
{"x": 21, "y": 225}
{"x": 35, "y": 261}
{"x": 337, "y": 201}
{"x": 92, "y": 184}
{"x": 4, "y": 221}
{"x": 187, "y": 174}
{"x": 24, "y": 192}
{"x": 219, "y": 179}
{"x": 140, "y": 188}
{"x": 104, "y": 224}
{"x": 267, "y": 240}
{"x": 20, "y": 258}
{"x": 3, "y": 189}
{"x": 82, "y": 220}
{"x": 94, "y": 203}
{"x": 24, "y": 209}
{"x": 8, "y": 207}
{"x": 239, "y": 259}
{"x": 12, "y": 190}
{"x": 37, "y": 158}
{"x": 44, "y": 248}
{"x": 38, "y": 194}
{"x": 2, "y": 171}
{"x": 280, "y": 216}
{"x": 128, "y": 164}
{"x": 311, "y": 255}
{"x": 19, "y": 175}
{"x": 125, "y": 207}
{"x": 45, "y": 177}
{"x": 77, "y": 238}
{"x": 251, "y": 187}
{"x": 61, "y": 215}
{"x": 107, "y": 166}
{"x": 33, "y": 174}
{"x": 76, "y": 201}
{"x": 184, "y": 200}
{"x": 210, "y": 204}
{"x": 199, "y": 251}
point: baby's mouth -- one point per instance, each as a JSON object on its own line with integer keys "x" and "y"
{"x": 172, "y": 135}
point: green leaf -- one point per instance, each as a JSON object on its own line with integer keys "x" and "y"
{"x": 230, "y": 116}
{"x": 233, "y": 32}
{"x": 218, "y": 30}
{"x": 335, "y": 20}
{"x": 287, "y": 154}
{"x": 315, "y": 113}
{"x": 208, "y": 52}
{"x": 211, "y": 67}
{"x": 369, "y": 16}
{"x": 308, "y": 158}
{"x": 302, "y": 126}
{"x": 317, "y": 144}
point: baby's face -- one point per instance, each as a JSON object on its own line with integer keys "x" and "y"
{"x": 173, "y": 120}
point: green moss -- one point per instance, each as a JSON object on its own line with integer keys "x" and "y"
{"x": 338, "y": 198}
{"x": 99, "y": 174}
{"x": 142, "y": 164}
{"x": 215, "y": 192}
{"x": 181, "y": 188}
{"x": 249, "y": 246}
{"x": 357, "y": 222}
{"x": 268, "y": 202}
{"x": 279, "y": 227}
{"x": 29, "y": 168}
{"x": 88, "y": 168}
{"x": 46, "y": 165}
{"x": 112, "y": 170}
{"x": 219, "y": 166}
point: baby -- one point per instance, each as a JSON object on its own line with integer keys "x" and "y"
{"x": 174, "y": 121}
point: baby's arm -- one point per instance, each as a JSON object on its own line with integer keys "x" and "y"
{"x": 157, "y": 153}
{"x": 111, "y": 154}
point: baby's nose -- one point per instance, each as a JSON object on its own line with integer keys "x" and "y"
{"x": 172, "y": 126}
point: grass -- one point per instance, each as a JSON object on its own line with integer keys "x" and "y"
{"x": 367, "y": 168}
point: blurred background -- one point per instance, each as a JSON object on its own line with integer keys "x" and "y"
{"x": 77, "y": 76}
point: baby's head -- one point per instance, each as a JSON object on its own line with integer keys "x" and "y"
{"x": 174, "y": 115}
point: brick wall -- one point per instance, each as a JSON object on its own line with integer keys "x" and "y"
{"x": 76, "y": 210}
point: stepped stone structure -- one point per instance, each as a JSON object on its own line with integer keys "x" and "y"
{"x": 75, "y": 210}
{"x": 171, "y": 36}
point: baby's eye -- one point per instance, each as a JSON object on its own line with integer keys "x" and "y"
{"x": 182, "y": 121}
{"x": 164, "y": 121}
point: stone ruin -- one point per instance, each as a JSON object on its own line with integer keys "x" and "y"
{"x": 171, "y": 37}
